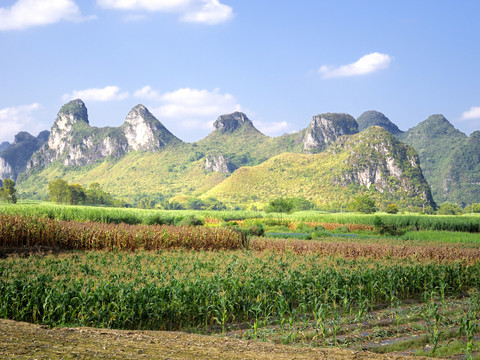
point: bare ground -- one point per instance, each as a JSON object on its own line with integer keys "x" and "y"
{"x": 19, "y": 340}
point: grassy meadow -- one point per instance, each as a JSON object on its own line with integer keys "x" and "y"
{"x": 399, "y": 284}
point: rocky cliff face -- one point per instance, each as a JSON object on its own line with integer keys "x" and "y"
{"x": 14, "y": 158}
{"x": 324, "y": 129}
{"x": 144, "y": 132}
{"x": 376, "y": 158}
{"x": 231, "y": 122}
{"x": 74, "y": 142}
{"x": 219, "y": 163}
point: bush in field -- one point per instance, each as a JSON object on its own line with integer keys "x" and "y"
{"x": 391, "y": 209}
{"x": 320, "y": 231}
{"x": 256, "y": 230}
{"x": 363, "y": 204}
{"x": 190, "y": 221}
{"x": 449, "y": 209}
{"x": 302, "y": 227}
{"x": 386, "y": 229}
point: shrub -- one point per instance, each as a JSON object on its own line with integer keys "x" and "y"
{"x": 256, "y": 230}
{"x": 190, "y": 220}
{"x": 391, "y": 209}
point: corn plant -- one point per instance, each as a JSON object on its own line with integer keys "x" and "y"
{"x": 469, "y": 324}
{"x": 432, "y": 319}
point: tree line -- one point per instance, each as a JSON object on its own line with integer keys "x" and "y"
{"x": 61, "y": 191}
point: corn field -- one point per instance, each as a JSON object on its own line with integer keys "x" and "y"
{"x": 21, "y": 231}
{"x": 180, "y": 289}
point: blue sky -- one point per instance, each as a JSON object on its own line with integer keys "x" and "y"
{"x": 280, "y": 62}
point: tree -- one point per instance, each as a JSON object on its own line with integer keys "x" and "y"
{"x": 76, "y": 194}
{"x": 95, "y": 195}
{"x": 58, "y": 191}
{"x": 279, "y": 205}
{"x": 8, "y": 191}
{"x": 473, "y": 208}
{"x": 146, "y": 203}
{"x": 449, "y": 209}
{"x": 363, "y": 204}
{"x": 196, "y": 204}
{"x": 300, "y": 203}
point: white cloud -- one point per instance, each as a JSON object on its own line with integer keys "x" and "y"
{"x": 472, "y": 114}
{"x": 196, "y": 104}
{"x": 20, "y": 118}
{"x": 365, "y": 65}
{"x": 273, "y": 128}
{"x": 29, "y": 13}
{"x": 210, "y": 12}
{"x": 107, "y": 93}
{"x": 147, "y": 93}
{"x": 148, "y": 5}
{"x": 192, "y": 108}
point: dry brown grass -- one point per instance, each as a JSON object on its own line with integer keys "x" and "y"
{"x": 19, "y": 340}
{"x": 354, "y": 250}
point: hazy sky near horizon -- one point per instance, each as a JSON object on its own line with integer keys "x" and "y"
{"x": 280, "y": 62}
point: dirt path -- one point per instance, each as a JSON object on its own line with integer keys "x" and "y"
{"x": 19, "y": 340}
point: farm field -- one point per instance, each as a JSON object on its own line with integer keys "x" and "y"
{"x": 349, "y": 287}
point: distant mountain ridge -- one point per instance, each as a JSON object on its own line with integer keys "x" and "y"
{"x": 14, "y": 157}
{"x": 142, "y": 158}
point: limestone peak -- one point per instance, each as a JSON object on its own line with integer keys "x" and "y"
{"x": 231, "y": 122}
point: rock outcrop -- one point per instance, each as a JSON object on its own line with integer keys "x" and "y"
{"x": 376, "y": 158}
{"x": 219, "y": 163}
{"x": 324, "y": 129}
{"x": 144, "y": 132}
{"x": 74, "y": 142}
{"x": 230, "y": 122}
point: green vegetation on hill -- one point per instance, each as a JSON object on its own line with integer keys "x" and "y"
{"x": 159, "y": 175}
{"x": 375, "y": 118}
{"x": 463, "y": 171}
{"x": 141, "y": 162}
{"x": 246, "y": 146}
{"x": 332, "y": 178}
{"x": 352, "y": 167}
{"x": 437, "y": 142}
